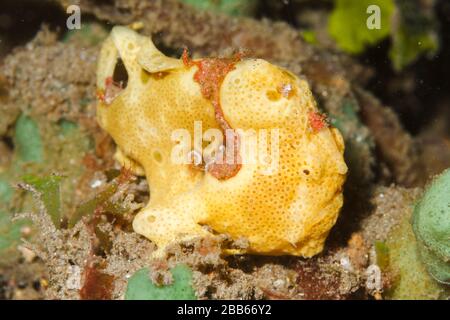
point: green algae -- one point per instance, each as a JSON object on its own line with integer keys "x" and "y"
{"x": 411, "y": 281}
{"x": 6, "y": 191}
{"x": 412, "y": 32}
{"x": 230, "y": 7}
{"x": 90, "y": 34}
{"x": 413, "y": 36}
{"x": 141, "y": 287}
{"x": 39, "y": 152}
{"x": 28, "y": 140}
{"x": 431, "y": 225}
{"x": 48, "y": 189}
{"x": 10, "y": 237}
{"x": 347, "y": 24}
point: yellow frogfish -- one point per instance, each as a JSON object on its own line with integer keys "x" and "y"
{"x": 276, "y": 182}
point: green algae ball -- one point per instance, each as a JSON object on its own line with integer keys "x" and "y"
{"x": 431, "y": 224}
{"x": 141, "y": 287}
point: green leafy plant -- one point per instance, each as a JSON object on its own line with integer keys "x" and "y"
{"x": 411, "y": 30}
{"x": 104, "y": 199}
{"x": 347, "y": 24}
{"x": 48, "y": 190}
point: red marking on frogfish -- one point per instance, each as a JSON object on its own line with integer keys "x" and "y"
{"x": 317, "y": 121}
{"x": 109, "y": 81}
{"x": 100, "y": 94}
{"x": 210, "y": 75}
{"x": 112, "y": 90}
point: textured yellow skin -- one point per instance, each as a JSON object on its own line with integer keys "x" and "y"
{"x": 288, "y": 212}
